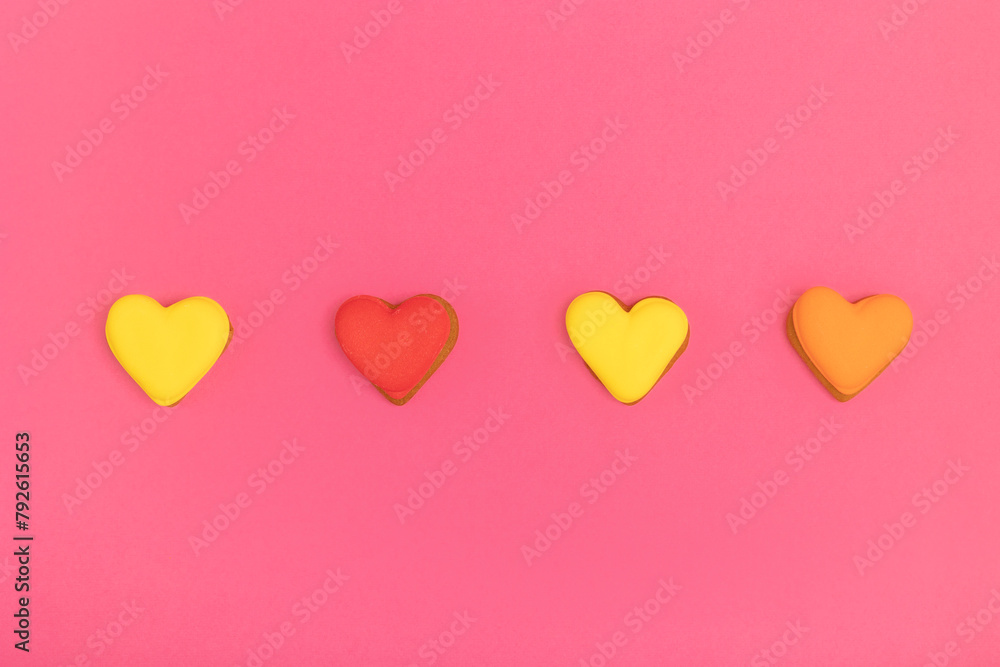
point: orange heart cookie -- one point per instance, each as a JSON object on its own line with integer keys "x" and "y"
{"x": 847, "y": 345}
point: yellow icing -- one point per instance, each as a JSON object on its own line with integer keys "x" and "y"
{"x": 167, "y": 350}
{"x": 630, "y": 350}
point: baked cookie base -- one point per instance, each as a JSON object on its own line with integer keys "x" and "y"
{"x": 442, "y": 355}
{"x": 677, "y": 355}
{"x": 839, "y": 395}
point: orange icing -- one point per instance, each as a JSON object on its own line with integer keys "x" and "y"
{"x": 849, "y": 344}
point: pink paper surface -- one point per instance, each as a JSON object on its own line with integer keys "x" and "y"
{"x": 621, "y": 141}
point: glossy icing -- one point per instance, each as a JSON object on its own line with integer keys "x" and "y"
{"x": 627, "y": 348}
{"x": 396, "y": 347}
{"x": 848, "y": 344}
{"x": 167, "y": 350}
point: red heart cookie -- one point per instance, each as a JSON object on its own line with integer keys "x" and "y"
{"x": 396, "y": 347}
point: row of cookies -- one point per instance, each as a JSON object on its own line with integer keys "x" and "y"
{"x": 397, "y": 347}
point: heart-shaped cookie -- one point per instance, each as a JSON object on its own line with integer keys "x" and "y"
{"x": 396, "y": 347}
{"x": 167, "y": 350}
{"x": 628, "y": 348}
{"x": 847, "y": 345}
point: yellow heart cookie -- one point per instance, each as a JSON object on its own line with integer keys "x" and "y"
{"x": 167, "y": 350}
{"x": 628, "y": 348}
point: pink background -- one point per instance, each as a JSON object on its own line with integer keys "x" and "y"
{"x": 450, "y": 223}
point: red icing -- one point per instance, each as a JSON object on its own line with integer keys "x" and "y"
{"x": 395, "y": 348}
